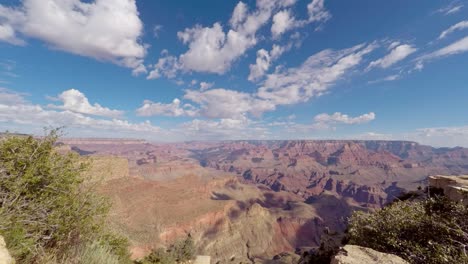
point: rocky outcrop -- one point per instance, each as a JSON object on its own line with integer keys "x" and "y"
{"x": 371, "y": 173}
{"x": 5, "y": 257}
{"x": 351, "y": 254}
{"x": 454, "y": 187}
{"x": 251, "y": 200}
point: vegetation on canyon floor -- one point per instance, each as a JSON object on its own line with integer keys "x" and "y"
{"x": 180, "y": 252}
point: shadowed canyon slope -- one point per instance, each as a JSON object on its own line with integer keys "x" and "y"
{"x": 250, "y": 200}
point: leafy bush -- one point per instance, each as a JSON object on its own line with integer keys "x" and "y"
{"x": 46, "y": 207}
{"x": 181, "y": 251}
{"x": 330, "y": 243}
{"x": 434, "y": 230}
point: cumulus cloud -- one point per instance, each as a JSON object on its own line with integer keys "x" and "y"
{"x": 167, "y": 65}
{"x": 16, "y": 111}
{"x": 224, "y": 124}
{"x": 264, "y": 60}
{"x": 225, "y": 128}
{"x": 9, "y": 97}
{"x": 284, "y": 20}
{"x": 75, "y": 101}
{"x": 457, "y": 47}
{"x": 324, "y": 122}
{"x": 397, "y": 54}
{"x": 459, "y": 26}
{"x": 262, "y": 63}
{"x": 156, "y": 30}
{"x": 214, "y": 49}
{"x": 205, "y": 86}
{"x": 317, "y": 12}
{"x": 314, "y": 77}
{"x": 223, "y": 103}
{"x": 213, "y": 104}
{"x": 108, "y": 30}
{"x": 7, "y": 34}
{"x": 339, "y": 118}
{"x": 433, "y": 136}
{"x": 173, "y": 109}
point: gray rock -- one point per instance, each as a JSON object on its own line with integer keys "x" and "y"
{"x": 5, "y": 257}
{"x": 351, "y": 254}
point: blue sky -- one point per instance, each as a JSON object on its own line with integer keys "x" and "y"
{"x": 266, "y": 69}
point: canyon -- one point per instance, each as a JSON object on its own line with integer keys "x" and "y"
{"x": 248, "y": 201}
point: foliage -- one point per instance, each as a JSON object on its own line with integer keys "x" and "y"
{"x": 329, "y": 246}
{"x": 181, "y": 251}
{"x": 434, "y": 230}
{"x": 46, "y": 206}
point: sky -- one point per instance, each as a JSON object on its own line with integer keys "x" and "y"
{"x": 170, "y": 71}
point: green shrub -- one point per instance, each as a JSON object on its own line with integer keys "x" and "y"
{"x": 46, "y": 206}
{"x": 181, "y": 251}
{"x": 433, "y": 230}
{"x": 91, "y": 253}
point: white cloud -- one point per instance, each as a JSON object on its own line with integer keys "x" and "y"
{"x": 16, "y": 111}
{"x": 173, "y": 109}
{"x": 225, "y": 128}
{"x": 239, "y": 14}
{"x": 261, "y": 65}
{"x": 264, "y": 60}
{"x": 388, "y": 78}
{"x": 459, "y": 26}
{"x": 393, "y": 45}
{"x": 75, "y": 101}
{"x": 167, "y": 65}
{"x": 8, "y": 97}
{"x": 108, "y": 30}
{"x": 282, "y": 22}
{"x": 419, "y": 66}
{"x": 314, "y": 77}
{"x": 224, "y": 124}
{"x": 156, "y": 30}
{"x": 317, "y": 12}
{"x": 205, "y": 86}
{"x": 434, "y": 136}
{"x": 339, "y": 118}
{"x": 457, "y": 47}
{"x": 7, "y": 34}
{"x": 396, "y": 54}
{"x": 325, "y": 122}
{"x": 214, "y": 50}
{"x": 442, "y": 136}
{"x": 277, "y": 50}
{"x": 222, "y": 103}
{"x": 452, "y": 8}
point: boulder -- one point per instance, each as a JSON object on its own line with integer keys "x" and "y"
{"x": 351, "y": 254}
{"x": 5, "y": 257}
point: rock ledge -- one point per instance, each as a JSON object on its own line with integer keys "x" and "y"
{"x": 351, "y": 254}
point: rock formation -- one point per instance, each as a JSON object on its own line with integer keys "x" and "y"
{"x": 247, "y": 201}
{"x": 350, "y": 254}
{"x": 454, "y": 187}
{"x": 5, "y": 257}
